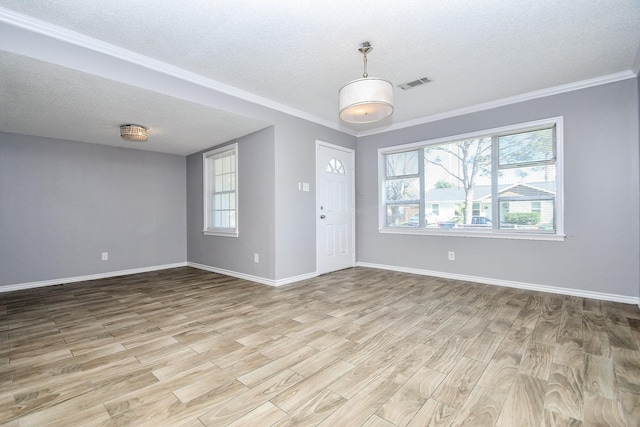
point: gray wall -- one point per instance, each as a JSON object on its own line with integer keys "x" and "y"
{"x": 291, "y": 233}
{"x": 601, "y": 183}
{"x": 276, "y": 220}
{"x": 256, "y": 211}
{"x": 296, "y": 210}
{"x": 63, "y": 203}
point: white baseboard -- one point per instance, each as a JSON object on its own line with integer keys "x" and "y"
{"x": 251, "y": 278}
{"x": 294, "y": 279}
{"x": 509, "y": 284}
{"x": 270, "y": 282}
{"x": 30, "y": 285}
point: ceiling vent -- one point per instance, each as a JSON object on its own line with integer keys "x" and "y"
{"x": 415, "y": 83}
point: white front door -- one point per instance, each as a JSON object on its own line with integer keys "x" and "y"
{"x": 335, "y": 207}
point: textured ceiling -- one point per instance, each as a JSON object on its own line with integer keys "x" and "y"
{"x": 47, "y": 100}
{"x": 299, "y": 54}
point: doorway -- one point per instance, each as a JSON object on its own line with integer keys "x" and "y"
{"x": 335, "y": 207}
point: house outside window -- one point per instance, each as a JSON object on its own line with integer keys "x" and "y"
{"x": 220, "y": 197}
{"x": 504, "y": 182}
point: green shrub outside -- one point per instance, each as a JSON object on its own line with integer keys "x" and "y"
{"x": 522, "y": 218}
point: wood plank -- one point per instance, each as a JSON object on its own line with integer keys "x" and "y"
{"x": 265, "y": 414}
{"x": 313, "y": 411}
{"x": 433, "y": 414}
{"x": 525, "y": 403}
{"x": 599, "y": 411}
{"x": 364, "y": 404}
{"x": 564, "y": 392}
{"x": 546, "y": 328}
{"x": 184, "y": 347}
{"x": 482, "y": 408}
{"x": 265, "y": 371}
{"x": 631, "y": 405}
{"x": 408, "y": 363}
{"x": 245, "y": 402}
{"x": 376, "y": 421}
{"x": 404, "y": 403}
{"x": 600, "y": 376}
{"x": 501, "y": 372}
{"x": 596, "y": 339}
{"x": 537, "y": 360}
{"x": 449, "y": 354}
{"x": 553, "y": 419}
{"x": 569, "y": 341}
{"x": 627, "y": 367}
{"x": 516, "y": 340}
{"x": 355, "y": 379}
{"x": 455, "y": 389}
{"x": 302, "y": 392}
{"x": 485, "y": 346}
{"x": 634, "y": 325}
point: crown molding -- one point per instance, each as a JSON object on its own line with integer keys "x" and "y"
{"x": 555, "y": 90}
{"x": 47, "y": 29}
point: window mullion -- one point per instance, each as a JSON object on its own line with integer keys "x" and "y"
{"x": 495, "y": 165}
{"x": 421, "y": 209}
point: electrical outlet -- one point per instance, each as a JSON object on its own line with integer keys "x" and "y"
{"x": 452, "y": 256}
{"x": 256, "y": 258}
{"x": 105, "y": 256}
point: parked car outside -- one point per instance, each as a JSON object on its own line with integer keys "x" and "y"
{"x": 478, "y": 222}
{"x": 447, "y": 224}
{"x": 429, "y": 219}
{"x": 481, "y": 221}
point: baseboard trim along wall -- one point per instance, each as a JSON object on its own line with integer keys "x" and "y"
{"x": 270, "y": 282}
{"x": 251, "y": 278}
{"x": 509, "y": 283}
{"x": 43, "y": 283}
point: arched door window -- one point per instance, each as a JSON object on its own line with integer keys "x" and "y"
{"x": 335, "y": 166}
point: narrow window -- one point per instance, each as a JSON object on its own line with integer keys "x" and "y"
{"x": 220, "y": 191}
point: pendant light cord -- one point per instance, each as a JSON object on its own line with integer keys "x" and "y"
{"x": 365, "y": 74}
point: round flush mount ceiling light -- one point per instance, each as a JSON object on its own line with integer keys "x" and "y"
{"x": 133, "y": 133}
{"x": 368, "y": 99}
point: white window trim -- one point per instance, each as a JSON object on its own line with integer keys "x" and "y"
{"x": 225, "y": 232}
{"x": 493, "y": 234}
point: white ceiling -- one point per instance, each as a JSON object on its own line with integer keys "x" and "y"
{"x": 296, "y": 55}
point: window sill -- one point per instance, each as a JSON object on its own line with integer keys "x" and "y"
{"x": 220, "y": 233}
{"x": 481, "y": 234}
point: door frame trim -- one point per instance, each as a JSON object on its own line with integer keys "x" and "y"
{"x": 352, "y": 154}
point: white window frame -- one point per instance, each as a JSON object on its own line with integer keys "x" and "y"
{"x": 489, "y": 233}
{"x": 209, "y": 229}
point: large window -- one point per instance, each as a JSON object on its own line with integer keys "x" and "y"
{"x": 500, "y": 183}
{"x": 220, "y": 168}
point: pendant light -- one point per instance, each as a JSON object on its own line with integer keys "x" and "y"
{"x": 368, "y": 99}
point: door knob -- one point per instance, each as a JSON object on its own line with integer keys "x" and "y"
{"x": 322, "y": 216}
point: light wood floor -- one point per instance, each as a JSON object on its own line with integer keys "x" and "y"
{"x": 360, "y": 347}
